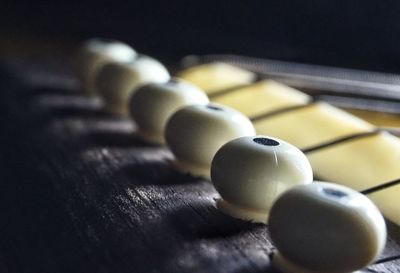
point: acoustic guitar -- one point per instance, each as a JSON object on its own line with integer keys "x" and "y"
{"x": 82, "y": 193}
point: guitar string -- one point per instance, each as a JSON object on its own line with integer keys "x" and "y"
{"x": 341, "y": 140}
{"x": 387, "y": 259}
{"x": 381, "y": 187}
{"x": 225, "y": 91}
{"x": 217, "y": 93}
{"x": 282, "y": 110}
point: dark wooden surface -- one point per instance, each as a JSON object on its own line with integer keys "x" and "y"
{"x": 81, "y": 193}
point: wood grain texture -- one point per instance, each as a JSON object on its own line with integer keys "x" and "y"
{"x": 81, "y": 193}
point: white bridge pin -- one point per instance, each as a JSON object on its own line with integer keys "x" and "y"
{"x": 94, "y": 54}
{"x": 325, "y": 228}
{"x": 249, "y": 173}
{"x": 151, "y": 106}
{"x": 117, "y": 81}
{"x": 195, "y": 133}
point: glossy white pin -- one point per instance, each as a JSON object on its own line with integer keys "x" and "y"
{"x": 325, "y": 228}
{"x": 195, "y": 133}
{"x": 152, "y": 105}
{"x": 117, "y": 81}
{"x": 251, "y": 172}
{"x": 94, "y": 54}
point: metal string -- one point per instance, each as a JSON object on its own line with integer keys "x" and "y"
{"x": 387, "y": 259}
{"x": 282, "y": 111}
{"x": 224, "y": 91}
{"x": 381, "y": 187}
{"x": 341, "y": 140}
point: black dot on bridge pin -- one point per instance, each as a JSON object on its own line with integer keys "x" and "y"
{"x": 173, "y": 81}
{"x": 265, "y": 141}
{"x": 334, "y": 193}
{"x": 216, "y": 108}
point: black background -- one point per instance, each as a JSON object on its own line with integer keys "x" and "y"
{"x": 360, "y": 34}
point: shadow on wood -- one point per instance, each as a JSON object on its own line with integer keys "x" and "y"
{"x": 152, "y": 172}
{"x": 211, "y": 223}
